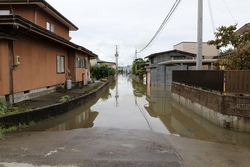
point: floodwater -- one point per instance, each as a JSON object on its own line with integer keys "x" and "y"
{"x": 131, "y": 105}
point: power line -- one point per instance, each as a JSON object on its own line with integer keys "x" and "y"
{"x": 163, "y": 24}
{"x": 230, "y": 12}
{"x": 211, "y": 14}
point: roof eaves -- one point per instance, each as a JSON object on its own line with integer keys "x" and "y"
{"x": 88, "y": 52}
{"x": 175, "y": 50}
{"x": 241, "y": 29}
{"x": 7, "y": 36}
{"x": 47, "y": 7}
{"x": 19, "y": 22}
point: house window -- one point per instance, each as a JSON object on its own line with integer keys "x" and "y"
{"x": 60, "y": 64}
{"x": 4, "y": 12}
{"x": 178, "y": 57}
{"x": 50, "y": 26}
{"x": 77, "y": 62}
{"x": 152, "y": 60}
{"x": 81, "y": 63}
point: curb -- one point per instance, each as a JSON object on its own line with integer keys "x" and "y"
{"x": 46, "y": 112}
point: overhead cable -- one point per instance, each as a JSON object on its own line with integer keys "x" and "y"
{"x": 230, "y": 12}
{"x": 211, "y": 14}
{"x": 163, "y": 24}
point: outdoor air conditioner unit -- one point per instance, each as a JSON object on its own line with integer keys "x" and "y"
{"x": 16, "y": 60}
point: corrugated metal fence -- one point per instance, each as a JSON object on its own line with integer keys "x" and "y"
{"x": 223, "y": 81}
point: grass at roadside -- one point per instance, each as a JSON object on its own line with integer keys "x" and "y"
{"x": 12, "y": 128}
{"x": 7, "y": 109}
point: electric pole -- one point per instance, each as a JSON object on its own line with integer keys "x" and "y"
{"x": 199, "y": 36}
{"x": 116, "y": 60}
{"x": 116, "y": 56}
{"x": 135, "y": 53}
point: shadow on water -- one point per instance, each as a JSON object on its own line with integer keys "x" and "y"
{"x": 136, "y": 106}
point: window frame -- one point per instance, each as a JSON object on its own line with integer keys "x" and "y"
{"x": 60, "y": 64}
{"x": 80, "y": 62}
{"x": 4, "y": 12}
{"x": 50, "y": 26}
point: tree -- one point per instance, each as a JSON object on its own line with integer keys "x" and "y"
{"x": 226, "y": 51}
{"x": 239, "y": 58}
{"x": 101, "y": 71}
{"x": 138, "y": 67}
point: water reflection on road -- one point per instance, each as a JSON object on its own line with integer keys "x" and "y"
{"x": 130, "y": 105}
{"x": 125, "y": 108}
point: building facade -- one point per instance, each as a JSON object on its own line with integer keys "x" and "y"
{"x": 162, "y": 75}
{"x": 208, "y": 51}
{"x": 36, "y": 54}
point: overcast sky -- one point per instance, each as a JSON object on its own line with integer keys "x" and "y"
{"x": 131, "y": 24}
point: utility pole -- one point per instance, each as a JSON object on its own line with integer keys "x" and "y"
{"x": 135, "y": 53}
{"x": 199, "y": 36}
{"x": 116, "y": 95}
{"x": 116, "y": 60}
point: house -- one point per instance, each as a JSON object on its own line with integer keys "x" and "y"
{"x": 157, "y": 74}
{"x": 36, "y": 54}
{"x": 243, "y": 29}
{"x": 208, "y": 51}
{"x": 99, "y": 62}
{"x": 109, "y": 64}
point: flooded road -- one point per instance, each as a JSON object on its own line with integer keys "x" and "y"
{"x": 130, "y": 105}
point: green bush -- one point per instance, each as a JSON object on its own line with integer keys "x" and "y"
{"x": 138, "y": 67}
{"x": 3, "y": 107}
{"x": 101, "y": 71}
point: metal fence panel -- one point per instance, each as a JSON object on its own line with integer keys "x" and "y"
{"x": 237, "y": 82}
{"x": 201, "y": 78}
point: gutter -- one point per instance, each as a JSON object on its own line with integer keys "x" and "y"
{"x": 18, "y": 21}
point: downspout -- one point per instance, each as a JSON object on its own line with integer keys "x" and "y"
{"x": 11, "y": 67}
{"x": 83, "y": 79}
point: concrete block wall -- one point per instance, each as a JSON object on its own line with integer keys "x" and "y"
{"x": 223, "y": 110}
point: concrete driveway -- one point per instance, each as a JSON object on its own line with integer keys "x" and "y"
{"x": 115, "y": 147}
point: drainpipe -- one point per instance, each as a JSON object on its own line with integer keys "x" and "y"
{"x": 83, "y": 79}
{"x": 11, "y": 67}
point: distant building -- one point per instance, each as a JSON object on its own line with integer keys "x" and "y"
{"x": 208, "y": 51}
{"x": 160, "y": 74}
{"x": 101, "y": 62}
